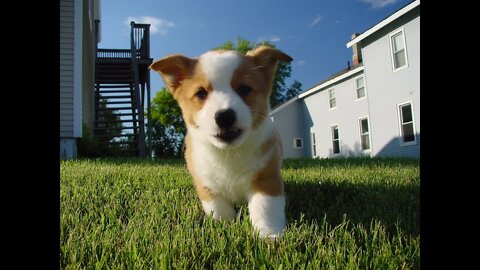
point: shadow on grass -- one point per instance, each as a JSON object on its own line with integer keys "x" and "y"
{"x": 359, "y": 203}
{"x": 310, "y": 163}
{"x": 137, "y": 160}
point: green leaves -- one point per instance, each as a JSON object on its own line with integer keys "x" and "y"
{"x": 280, "y": 93}
{"x": 168, "y": 127}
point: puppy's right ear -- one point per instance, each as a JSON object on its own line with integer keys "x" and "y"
{"x": 174, "y": 69}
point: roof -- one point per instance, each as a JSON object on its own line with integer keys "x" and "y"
{"x": 384, "y": 22}
{"x": 345, "y": 73}
{"x": 283, "y": 105}
{"x": 333, "y": 79}
{"x": 342, "y": 74}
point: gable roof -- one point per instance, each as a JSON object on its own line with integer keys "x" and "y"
{"x": 345, "y": 73}
{"x": 283, "y": 105}
{"x": 342, "y": 74}
{"x": 384, "y": 22}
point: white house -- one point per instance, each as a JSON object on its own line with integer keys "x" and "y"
{"x": 78, "y": 40}
{"x": 371, "y": 108}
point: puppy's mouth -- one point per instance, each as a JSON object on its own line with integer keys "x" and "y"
{"x": 228, "y": 136}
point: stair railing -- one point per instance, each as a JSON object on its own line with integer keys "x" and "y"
{"x": 135, "y": 37}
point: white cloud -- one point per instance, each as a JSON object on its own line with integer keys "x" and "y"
{"x": 301, "y": 63}
{"x": 379, "y": 3}
{"x": 315, "y": 21}
{"x": 157, "y": 25}
{"x": 273, "y": 38}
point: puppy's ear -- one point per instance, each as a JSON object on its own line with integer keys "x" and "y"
{"x": 174, "y": 69}
{"x": 268, "y": 58}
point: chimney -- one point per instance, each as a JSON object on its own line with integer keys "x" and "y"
{"x": 357, "y": 51}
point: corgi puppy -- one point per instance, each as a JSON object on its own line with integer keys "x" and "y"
{"x": 233, "y": 151}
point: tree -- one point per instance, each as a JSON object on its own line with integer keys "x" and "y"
{"x": 284, "y": 70}
{"x": 293, "y": 90}
{"x": 168, "y": 127}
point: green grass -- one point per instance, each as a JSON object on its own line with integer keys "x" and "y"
{"x": 343, "y": 214}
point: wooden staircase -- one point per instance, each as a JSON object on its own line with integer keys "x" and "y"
{"x": 121, "y": 80}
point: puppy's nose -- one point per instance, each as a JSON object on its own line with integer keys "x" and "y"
{"x": 225, "y": 118}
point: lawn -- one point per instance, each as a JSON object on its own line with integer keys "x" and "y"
{"x": 355, "y": 213}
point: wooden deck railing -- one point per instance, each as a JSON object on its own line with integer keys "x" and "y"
{"x": 141, "y": 37}
{"x": 114, "y": 53}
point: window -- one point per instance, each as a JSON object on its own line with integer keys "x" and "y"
{"x": 407, "y": 127}
{"x": 335, "y": 140}
{"x": 297, "y": 143}
{"x": 331, "y": 98}
{"x": 364, "y": 134}
{"x": 314, "y": 145}
{"x": 399, "y": 54}
{"x": 360, "y": 87}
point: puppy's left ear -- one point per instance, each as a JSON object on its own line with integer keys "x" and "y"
{"x": 268, "y": 58}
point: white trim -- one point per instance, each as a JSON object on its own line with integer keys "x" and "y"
{"x": 330, "y": 82}
{"x": 314, "y": 143}
{"x": 356, "y": 87}
{"x": 392, "y": 59}
{"x": 77, "y": 68}
{"x": 283, "y": 105}
{"x": 388, "y": 20}
{"x": 339, "y": 145}
{"x": 295, "y": 143}
{"x": 369, "y": 133}
{"x": 399, "y": 115}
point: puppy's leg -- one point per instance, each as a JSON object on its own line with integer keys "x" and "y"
{"x": 267, "y": 214}
{"x": 214, "y": 204}
{"x": 219, "y": 208}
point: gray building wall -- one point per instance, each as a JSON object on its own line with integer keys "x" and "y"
{"x": 386, "y": 89}
{"x": 77, "y": 71}
{"x": 319, "y": 118}
{"x": 66, "y": 68}
{"x": 288, "y": 121}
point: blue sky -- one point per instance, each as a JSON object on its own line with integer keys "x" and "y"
{"x": 313, "y": 32}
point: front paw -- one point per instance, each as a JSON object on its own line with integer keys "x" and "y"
{"x": 219, "y": 208}
{"x": 270, "y": 233}
{"x": 267, "y": 214}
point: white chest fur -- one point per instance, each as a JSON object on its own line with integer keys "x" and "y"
{"x": 230, "y": 172}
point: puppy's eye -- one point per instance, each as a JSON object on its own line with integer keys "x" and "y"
{"x": 244, "y": 90}
{"x": 201, "y": 93}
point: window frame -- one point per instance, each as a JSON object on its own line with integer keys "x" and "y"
{"x": 401, "y": 124}
{"x": 329, "y": 91}
{"x": 295, "y": 143}
{"x": 333, "y": 140}
{"x": 361, "y": 134}
{"x": 392, "y": 57}
{"x": 356, "y": 87}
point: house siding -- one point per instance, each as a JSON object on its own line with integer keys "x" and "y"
{"x": 77, "y": 71}
{"x": 66, "y": 67}
{"x": 289, "y": 127}
{"x": 319, "y": 118}
{"x": 387, "y": 88}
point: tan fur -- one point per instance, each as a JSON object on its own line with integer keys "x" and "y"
{"x": 268, "y": 180}
{"x": 184, "y": 77}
